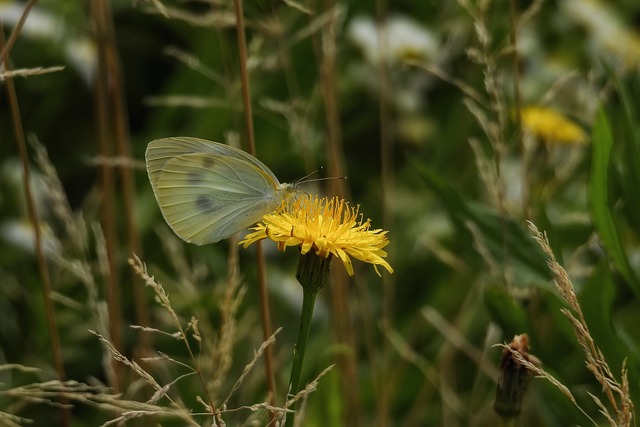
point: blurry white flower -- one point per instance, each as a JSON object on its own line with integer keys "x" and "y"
{"x": 43, "y": 25}
{"x": 290, "y": 294}
{"x": 21, "y": 234}
{"x": 82, "y": 55}
{"x": 39, "y": 25}
{"x": 398, "y": 39}
{"x": 12, "y": 177}
{"x": 512, "y": 180}
{"x": 608, "y": 32}
{"x": 363, "y": 33}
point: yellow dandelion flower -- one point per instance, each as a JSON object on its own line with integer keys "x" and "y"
{"x": 325, "y": 226}
{"x": 551, "y": 126}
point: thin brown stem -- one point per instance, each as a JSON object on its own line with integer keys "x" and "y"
{"x": 107, "y": 187}
{"x": 513, "y": 36}
{"x": 43, "y": 268}
{"x": 326, "y": 53}
{"x": 244, "y": 75}
{"x": 123, "y": 148}
{"x": 388, "y": 183}
{"x": 16, "y": 31}
{"x": 262, "y": 275}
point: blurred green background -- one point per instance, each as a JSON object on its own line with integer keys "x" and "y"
{"x": 438, "y": 121}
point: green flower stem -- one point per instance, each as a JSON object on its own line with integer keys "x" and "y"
{"x": 313, "y": 272}
{"x": 508, "y": 422}
{"x": 308, "y": 302}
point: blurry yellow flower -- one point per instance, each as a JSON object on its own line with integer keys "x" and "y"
{"x": 325, "y": 226}
{"x": 551, "y": 126}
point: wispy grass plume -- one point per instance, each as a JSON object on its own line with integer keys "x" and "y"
{"x": 619, "y": 411}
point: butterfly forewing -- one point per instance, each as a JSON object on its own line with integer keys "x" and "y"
{"x": 160, "y": 151}
{"x": 206, "y": 198}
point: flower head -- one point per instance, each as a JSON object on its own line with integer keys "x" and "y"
{"x": 325, "y": 226}
{"x": 551, "y": 126}
{"x": 397, "y": 39}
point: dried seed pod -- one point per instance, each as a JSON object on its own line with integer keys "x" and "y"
{"x": 514, "y": 377}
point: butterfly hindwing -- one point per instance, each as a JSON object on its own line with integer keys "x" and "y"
{"x": 206, "y": 198}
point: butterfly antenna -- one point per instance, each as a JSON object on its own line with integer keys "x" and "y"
{"x": 306, "y": 178}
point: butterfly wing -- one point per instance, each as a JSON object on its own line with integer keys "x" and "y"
{"x": 160, "y": 151}
{"x": 205, "y": 198}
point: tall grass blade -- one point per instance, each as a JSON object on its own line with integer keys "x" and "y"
{"x": 600, "y": 203}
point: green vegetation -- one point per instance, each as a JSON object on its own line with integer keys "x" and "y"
{"x": 496, "y": 142}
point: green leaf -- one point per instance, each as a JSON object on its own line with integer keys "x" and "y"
{"x": 507, "y": 241}
{"x": 629, "y": 137}
{"x": 600, "y": 204}
{"x": 630, "y": 174}
{"x": 511, "y": 317}
{"x": 596, "y": 299}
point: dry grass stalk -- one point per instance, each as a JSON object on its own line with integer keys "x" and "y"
{"x": 496, "y": 271}
{"x": 249, "y": 367}
{"x": 221, "y": 348}
{"x": 195, "y": 64}
{"x": 427, "y": 368}
{"x": 218, "y": 18}
{"x": 116, "y": 162}
{"x": 458, "y": 340}
{"x": 34, "y": 218}
{"x": 163, "y": 299}
{"x": 72, "y": 255}
{"x": 302, "y": 395}
{"x": 130, "y": 363}
{"x": 28, "y": 72}
{"x": 130, "y": 409}
{"x": 76, "y": 233}
{"x": 617, "y": 393}
{"x": 460, "y": 84}
{"x": 58, "y": 393}
{"x": 487, "y": 172}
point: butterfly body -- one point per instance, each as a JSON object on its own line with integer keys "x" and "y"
{"x": 208, "y": 191}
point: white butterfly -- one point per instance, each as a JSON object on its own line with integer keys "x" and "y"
{"x": 208, "y": 191}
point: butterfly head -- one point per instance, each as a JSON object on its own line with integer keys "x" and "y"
{"x": 289, "y": 190}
